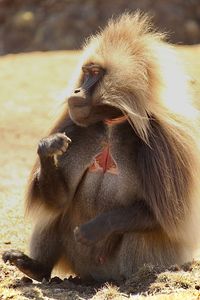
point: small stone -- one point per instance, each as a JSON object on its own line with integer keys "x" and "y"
{"x": 75, "y": 280}
{"x": 56, "y": 280}
{"x": 58, "y": 290}
{"x": 174, "y": 268}
{"x": 187, "y": 267}
{"x": 45, "y": 281}
{"x": 197, "y": 287}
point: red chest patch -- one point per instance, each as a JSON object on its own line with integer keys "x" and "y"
{"x": 104, "y": 162}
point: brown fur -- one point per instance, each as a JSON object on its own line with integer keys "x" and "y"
{"x": 147, "y": 83}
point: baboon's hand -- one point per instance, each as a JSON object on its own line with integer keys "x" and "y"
{"x": 89, "y": 234}
{"x": 83, "y": 236}
{"x": 55, "y": 144}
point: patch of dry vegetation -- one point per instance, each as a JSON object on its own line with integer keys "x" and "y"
{"x": 30, "y": 86}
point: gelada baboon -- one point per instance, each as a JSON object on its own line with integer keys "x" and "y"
{"x": 116, "y": 182}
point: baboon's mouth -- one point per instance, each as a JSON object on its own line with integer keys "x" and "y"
{"x": 117, "y": 120}
{"x": 77, "y": 102}
{"x": 80, "y": 105}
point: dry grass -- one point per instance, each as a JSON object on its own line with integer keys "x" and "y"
{"x": 30, "y": 86}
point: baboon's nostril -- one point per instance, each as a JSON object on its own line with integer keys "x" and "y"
{"x": 77, "y": 91}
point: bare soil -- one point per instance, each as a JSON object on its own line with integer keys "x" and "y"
{"x": 31, "y": 88}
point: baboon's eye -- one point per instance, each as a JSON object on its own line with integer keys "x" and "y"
{"x": 92, "y": 73}
{"x": 92, "y": 69}
{"x": 85, "y": 71}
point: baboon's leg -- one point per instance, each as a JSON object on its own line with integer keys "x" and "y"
{"x": 137, "y": 217}
{"x": 45, "y": 250}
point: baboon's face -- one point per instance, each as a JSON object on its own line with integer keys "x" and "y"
{"x": 86, "y": 104}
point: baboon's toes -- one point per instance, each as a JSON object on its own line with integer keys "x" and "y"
{"x": 32, "y": 268}
{"x": 12, "y": 256}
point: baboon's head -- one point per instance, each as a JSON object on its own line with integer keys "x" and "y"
{"x": 116, "y": 75}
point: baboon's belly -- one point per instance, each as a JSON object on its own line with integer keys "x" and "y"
{"x": 100, "y": 192}
{"x": 106, "y": 185}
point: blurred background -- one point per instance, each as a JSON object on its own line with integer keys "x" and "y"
{"x": 32, "y": 90}
{"x": 29, "y": 25}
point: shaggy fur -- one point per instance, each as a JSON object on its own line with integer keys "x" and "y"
{"x": 145, "y": 80}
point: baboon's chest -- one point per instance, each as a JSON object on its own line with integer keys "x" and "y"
{"x": 99, "y": 167}
{"x": 109, "y": 181}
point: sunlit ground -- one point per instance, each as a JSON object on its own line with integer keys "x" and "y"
{"x": 31, "y": 88}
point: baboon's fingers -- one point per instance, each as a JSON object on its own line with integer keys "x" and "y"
{"x": 58, "y": 152}
{"x": 82, "y": 237}
{"x": 55, "y": 144}
{"x": 67, "y": 138}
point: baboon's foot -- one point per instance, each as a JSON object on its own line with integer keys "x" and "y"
{"x": 55, "y": 144}
{"x": 107, "y": 249}
{"x": 27, "y": 265}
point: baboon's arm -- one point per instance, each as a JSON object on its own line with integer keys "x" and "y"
{"x": 48, "y": 181}
{"x": 137, "y": 218}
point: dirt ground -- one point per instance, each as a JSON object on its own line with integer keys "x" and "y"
{"x": 31, "y": 88}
